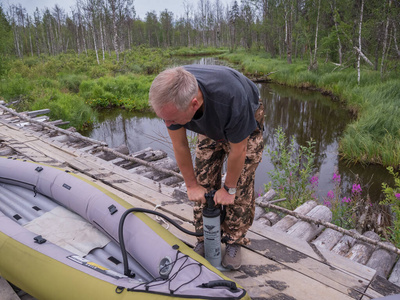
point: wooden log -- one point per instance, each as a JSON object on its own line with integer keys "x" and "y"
{"x": 107, "y": 155}
{"x": 259, "y": 211}
{"x": 58, "y": 122}
{"x": 267, "y": 197}
{"x": 345, "y": 243}
{"x": 361, "y": 251}
{"x": 355, "y": 235}
{"x": 171, "y": 181}
{"x": 395, "y": 275}
{"x": 272, "y": 217}
{"x": 64, "y": 131}
{"x": 328, "y": 239}
{"x": 35, "y": 113}
{"x": 288, "y": 221}
{"x": 166, "y": 163}
{"x": 263, "y": 221}
{"x": 308, "y": 231}
{"x": 61, "y": 138}
{"x": 382, "y": 261}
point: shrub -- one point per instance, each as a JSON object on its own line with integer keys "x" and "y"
{"x": 392, "y": 198}
{"x": 293, "y": 167}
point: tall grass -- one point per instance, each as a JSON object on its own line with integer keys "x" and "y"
{"x": 374, "y": 136}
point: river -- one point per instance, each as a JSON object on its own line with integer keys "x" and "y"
{"x": 302, "y": 114}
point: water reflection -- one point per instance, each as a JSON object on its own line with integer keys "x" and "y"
{"x": 303, "y": 115}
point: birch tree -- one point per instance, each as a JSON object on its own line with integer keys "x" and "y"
{"x": 314, "y": 62}
{"x": 359, "y": 43}
{"x": 335, "y": 17}
{"x": 385, "y": 39}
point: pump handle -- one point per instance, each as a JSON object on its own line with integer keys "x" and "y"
{"x": 210, "y": 199}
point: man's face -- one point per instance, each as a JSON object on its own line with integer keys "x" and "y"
{"x": 171, "y": 115}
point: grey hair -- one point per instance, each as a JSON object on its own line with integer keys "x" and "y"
{"x": 176, "y": 86}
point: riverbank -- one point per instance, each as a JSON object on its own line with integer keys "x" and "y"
{"x": 374, "y": 136}
{"x": 74, "y": 87}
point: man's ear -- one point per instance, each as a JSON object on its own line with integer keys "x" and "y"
{"x": 195, "y": 104}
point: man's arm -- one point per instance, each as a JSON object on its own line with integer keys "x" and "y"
{"x": 236, "y": 158}
{"x": 184, "y": 160}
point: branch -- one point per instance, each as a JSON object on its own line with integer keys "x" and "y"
{"x": 354, "y": 235}
{"x": 363, "y": 56}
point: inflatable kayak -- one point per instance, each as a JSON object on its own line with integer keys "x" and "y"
{"x": 60, "y": 239}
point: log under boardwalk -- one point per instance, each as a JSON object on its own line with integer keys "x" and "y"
{"x": 277, "y": 265}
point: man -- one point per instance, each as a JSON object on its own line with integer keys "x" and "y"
{"x": 223, "y": 107}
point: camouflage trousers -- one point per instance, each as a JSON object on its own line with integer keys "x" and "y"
{"x": 210, "y": 157}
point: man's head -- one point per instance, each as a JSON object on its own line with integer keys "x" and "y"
{"x": 173, "y": 96}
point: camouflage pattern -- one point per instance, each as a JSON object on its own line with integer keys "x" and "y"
{"x": 210, "y": 157}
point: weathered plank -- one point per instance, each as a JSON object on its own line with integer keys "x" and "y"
{"x": 334, "y": 260}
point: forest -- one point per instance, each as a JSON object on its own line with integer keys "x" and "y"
{"x": 340, "y": 31}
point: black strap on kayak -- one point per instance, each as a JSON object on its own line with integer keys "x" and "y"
{"x": 221, "y": 283}
{"x": 127, "y": 272}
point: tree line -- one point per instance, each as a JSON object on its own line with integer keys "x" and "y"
{"x": 345, "y": 32}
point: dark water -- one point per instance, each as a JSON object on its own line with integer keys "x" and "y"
{"x": 302, "y": 114}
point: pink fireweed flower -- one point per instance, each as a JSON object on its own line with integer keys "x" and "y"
{"x": 330, "y": 195}
{"x": 356, "y": 189}
{"x": 327, "y": 203}
{"x": 314, "y": 180}
{"x": 346, "y": 200}
{"x": 397, "y": 196}
{"x": 336, "y": 177}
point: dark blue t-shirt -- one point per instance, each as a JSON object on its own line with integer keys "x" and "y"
{"x": 230, "y": 101}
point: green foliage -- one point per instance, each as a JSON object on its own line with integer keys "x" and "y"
{"x": 344, "y": 209}
{"x": 293, "y": 167}
{"x": 71, "y": 81}
{"x": 67, "y": 107}
{"x": 15, "y": 87}
{"x": 196, "y": 51}
{"x": 128, "y": 91}
{"x": 392, "y": 198}
{"x": 6, "y": 41}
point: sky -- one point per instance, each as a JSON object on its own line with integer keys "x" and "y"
{"x": 141, "y": 6}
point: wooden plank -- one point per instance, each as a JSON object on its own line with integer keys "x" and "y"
{"x": 286, "y": 282}
{"x": 380, "y": 287}
{"x": 6, "y": 291}
{"x": 310, "y": 267}
{"x": 334, "y": 260}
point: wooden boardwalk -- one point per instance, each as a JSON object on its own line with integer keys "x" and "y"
{"x": 275, "y": 266}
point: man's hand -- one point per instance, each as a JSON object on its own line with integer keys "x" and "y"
{"x": 196, "y": 193}
{"x": 223, "y": 197}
